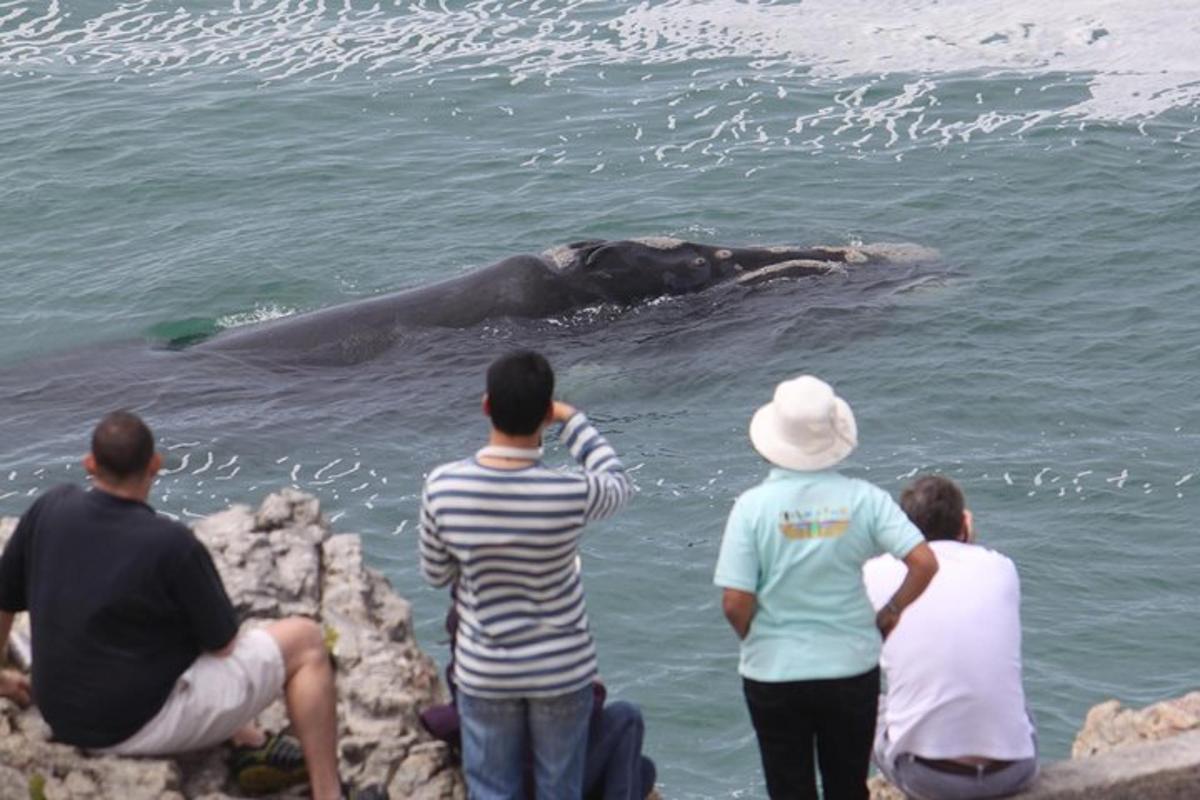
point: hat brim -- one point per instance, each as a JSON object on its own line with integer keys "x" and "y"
{"x": 765, "y": 436}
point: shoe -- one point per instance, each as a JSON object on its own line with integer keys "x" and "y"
{"x": 273, "y": 767}
{"x": 372, "y": 792}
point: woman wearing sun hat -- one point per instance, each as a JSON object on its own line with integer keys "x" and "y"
{"x": 791, "y": 570}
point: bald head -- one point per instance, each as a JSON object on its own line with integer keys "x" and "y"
{"x": 122, "y": 447}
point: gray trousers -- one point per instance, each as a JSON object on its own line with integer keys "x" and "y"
{"x": 921, "y": 782}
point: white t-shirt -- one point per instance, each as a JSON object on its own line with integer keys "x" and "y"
{"x": 953, "y": 663}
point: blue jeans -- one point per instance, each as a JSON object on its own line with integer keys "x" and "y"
{"x": 616, "y": 768}
{"x": 497, "y": 734}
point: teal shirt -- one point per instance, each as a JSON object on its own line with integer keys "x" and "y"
{"x": 798, "y": 541}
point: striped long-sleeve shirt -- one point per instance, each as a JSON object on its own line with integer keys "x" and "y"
{"x": 510, "y": 538}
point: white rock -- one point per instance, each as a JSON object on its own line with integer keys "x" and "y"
{"x": 280, "y": 560}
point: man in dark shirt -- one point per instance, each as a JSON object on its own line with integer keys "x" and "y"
{"x": 135, "y": 642}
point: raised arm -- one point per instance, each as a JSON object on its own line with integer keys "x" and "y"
{"x": 609, "y": 487}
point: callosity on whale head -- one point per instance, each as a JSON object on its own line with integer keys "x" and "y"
{"x": 631, "y": 270}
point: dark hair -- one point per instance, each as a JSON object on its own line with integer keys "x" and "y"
{"x": 122, "y": 445}
{"x": 935, "y": 505}
{"x": 520, "y": 388}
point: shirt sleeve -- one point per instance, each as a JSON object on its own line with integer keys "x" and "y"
{"x": 14, "y": 589}
{"x": 738, "y": 564}
{"x": 198, "y": 591}
{"x": 437, "y": 563}
{"x": 608, "y": 485}
{"x": 893, "y": 531}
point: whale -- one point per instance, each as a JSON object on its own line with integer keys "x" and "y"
{"x": 395, "y": 359}
{"x": 555, "y": 282}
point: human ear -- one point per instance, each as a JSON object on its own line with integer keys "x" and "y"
{"x": 968, "y": 527}
{"x": 89, "y": 464}
{"x": 486, "y": 405}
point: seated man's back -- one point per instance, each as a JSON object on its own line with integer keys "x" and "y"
{"x": 954, "y": 665}
{"x": 953, "y": 722}
{"x": 136, "y": 648}
{"x": 122, "y": 601}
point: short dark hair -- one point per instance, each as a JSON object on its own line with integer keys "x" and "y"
{"x": 122, "y": 445}
{"x": 520, "y": 388}
{"x": 935, "y": 505}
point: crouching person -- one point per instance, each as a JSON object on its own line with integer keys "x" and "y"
{"x": 953, "y": 725}
{"x": 614, "y": 767}
{"x": 136, "y": 649}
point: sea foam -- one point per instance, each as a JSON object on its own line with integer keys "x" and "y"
{"x": 1138, "y": 59}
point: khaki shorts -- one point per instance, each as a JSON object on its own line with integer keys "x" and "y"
{"x": 215, "y": 697}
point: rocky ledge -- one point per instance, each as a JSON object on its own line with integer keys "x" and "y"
{"x": 283, "y": 560}
{"x": 277, "y": 561}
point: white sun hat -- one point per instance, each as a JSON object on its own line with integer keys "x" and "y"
{"x": 805, "y": 427}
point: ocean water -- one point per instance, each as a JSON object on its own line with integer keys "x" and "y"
{"x": 171, "y": 170}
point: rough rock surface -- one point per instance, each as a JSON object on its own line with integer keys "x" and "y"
{"x": 1108, "y": 726}
{"x": 882, "y": 790}
{"x": 280, "y": 560}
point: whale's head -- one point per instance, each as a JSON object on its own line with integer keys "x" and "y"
{"x": 631, "y": 270}
{"x": 627, "y": 271}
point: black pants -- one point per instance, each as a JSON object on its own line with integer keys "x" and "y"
{"x": 836, "y": 717}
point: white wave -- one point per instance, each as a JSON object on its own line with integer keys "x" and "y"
{"x": 1136, "y": 60}
{"x": 1141, "y": 57}
{"x": 260, "y": 313}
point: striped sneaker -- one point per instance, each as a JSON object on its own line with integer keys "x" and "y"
{"x": 274, "y": 766}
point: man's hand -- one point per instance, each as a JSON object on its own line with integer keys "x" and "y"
{"x": 922, "y": 566}
{"x": 15, "y": 687}
{"x": 561, "y": 412}
{"x": 886, "y": 619}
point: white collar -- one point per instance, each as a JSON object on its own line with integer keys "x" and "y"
{"x": 500, "y": 451}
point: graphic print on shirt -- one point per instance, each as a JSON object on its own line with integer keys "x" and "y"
{"x": 815, "y": 523}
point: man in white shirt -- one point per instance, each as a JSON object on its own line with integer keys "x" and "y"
{"x": 953, "y": 722}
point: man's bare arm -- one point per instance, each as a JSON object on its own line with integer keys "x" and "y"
{"x": 739, "y": 608}
{"x": 922, "y": 566}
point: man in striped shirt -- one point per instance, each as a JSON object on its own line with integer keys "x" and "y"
{"x": 505, "y": 529}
